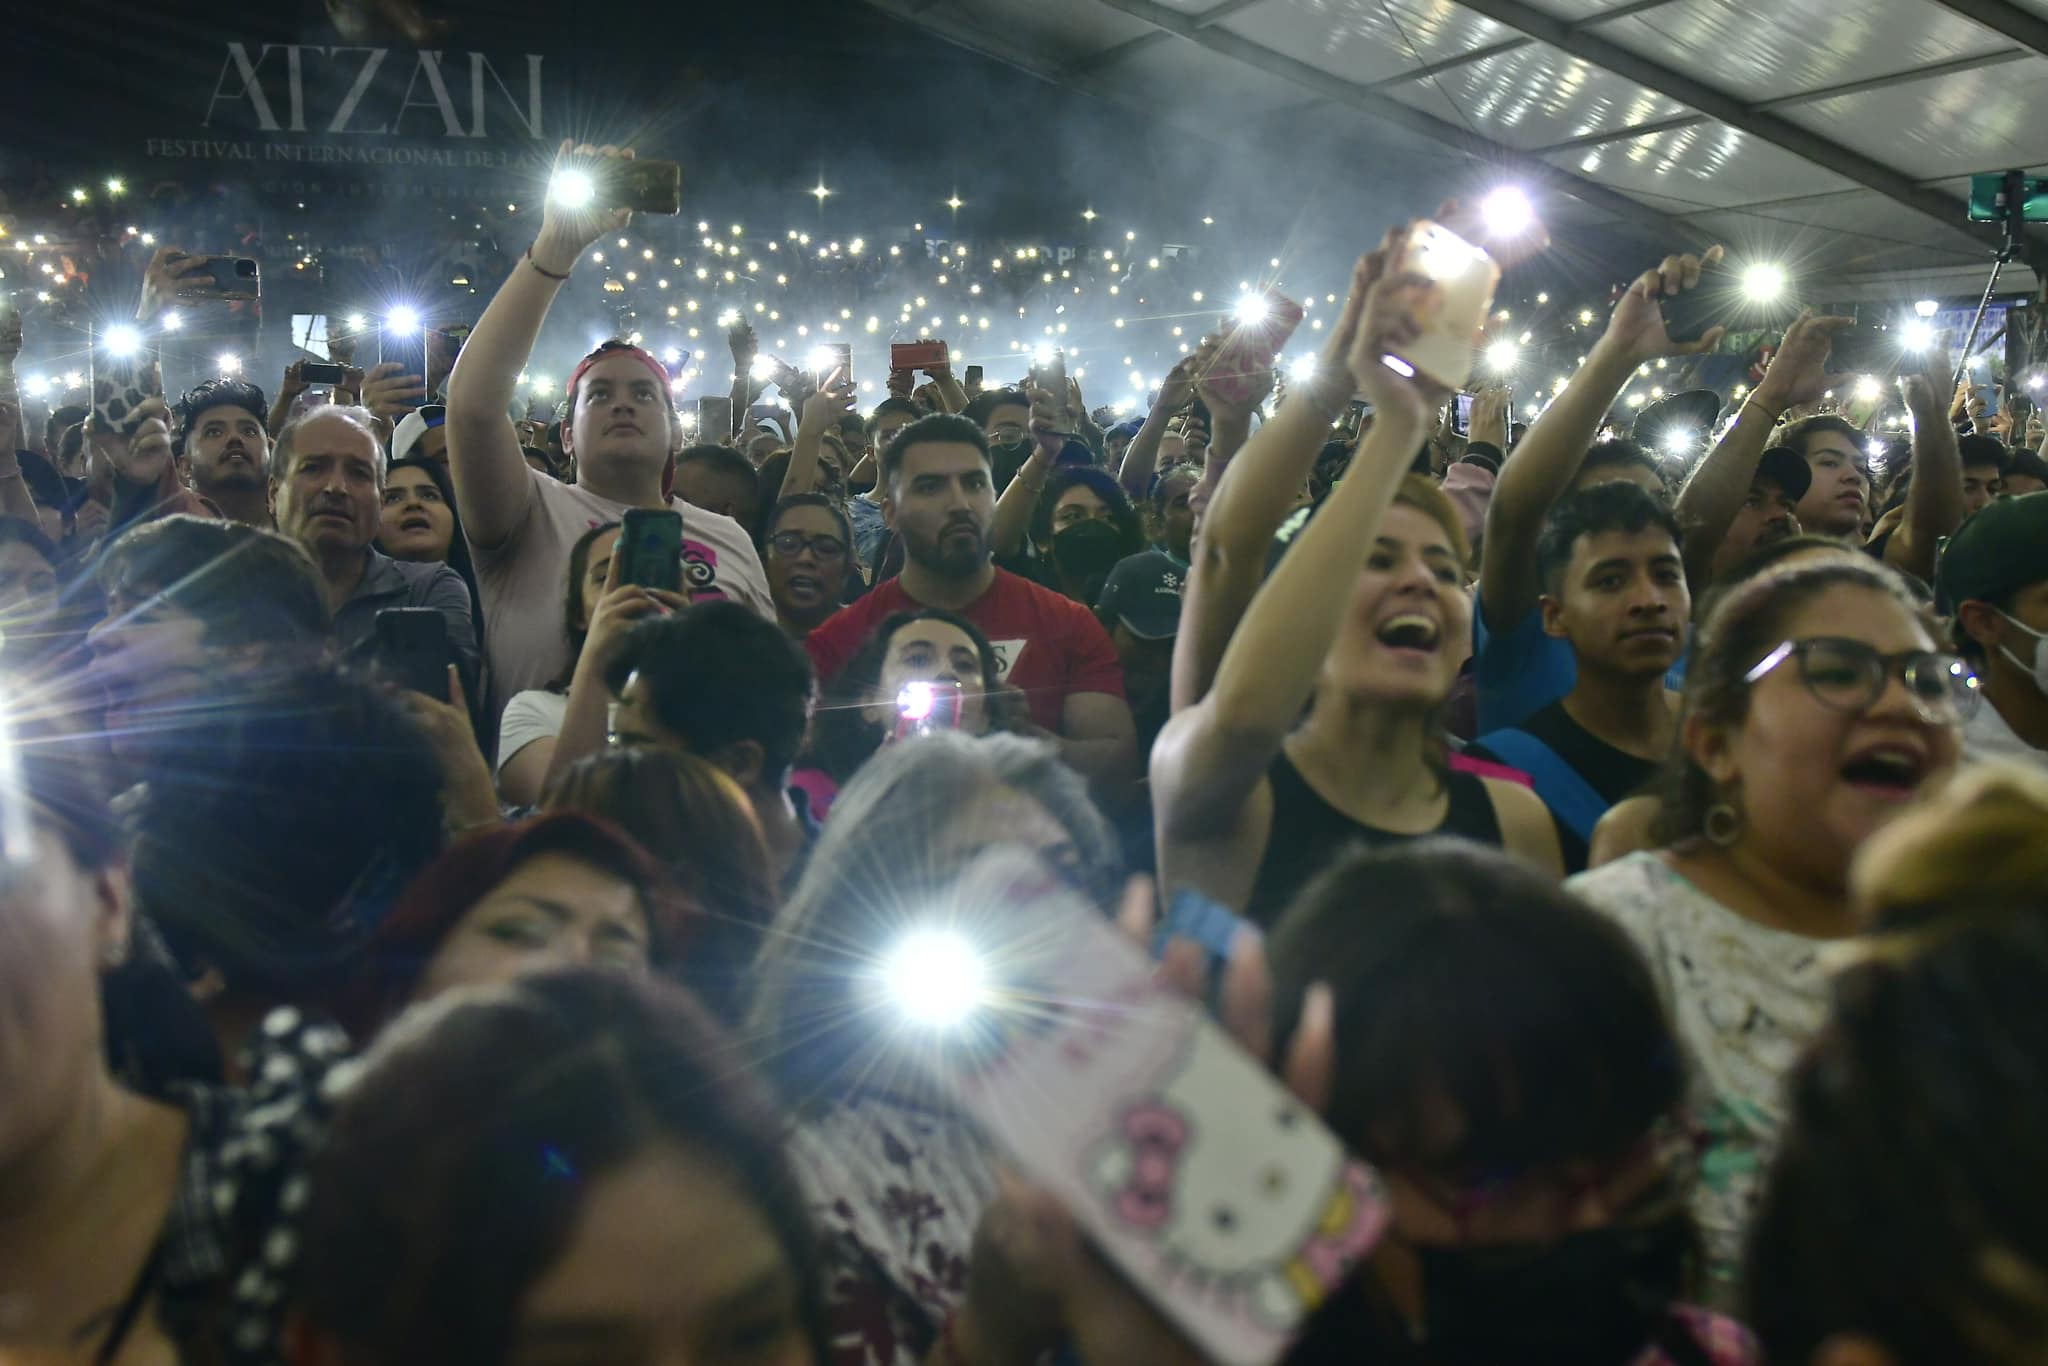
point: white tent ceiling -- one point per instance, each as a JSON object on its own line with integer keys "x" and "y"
{"x": 1846, "y": 130}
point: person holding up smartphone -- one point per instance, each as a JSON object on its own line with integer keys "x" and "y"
{"x": 343, "y": 383}
{"x": 328, "y": 489}
{"x": 622, "y": 432}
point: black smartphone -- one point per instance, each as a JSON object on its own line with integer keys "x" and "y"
{"x": 643, "y": 186}
{"x": 411, "y": 649}
{"x": 234, "y": 277}
{"x": 842, "y": 359}
{"x": 405, "y": 347}
{"x": 1461, "y": 414}
{"x": 651, "y": 540}
{"x": 714, "y": 418}
{"x": 1051, "y": 375}
{"x": 322, "y": 372}
{"x": 974, "y": 374}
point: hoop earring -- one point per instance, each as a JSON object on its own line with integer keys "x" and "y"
{"x": 1722, "y": 824}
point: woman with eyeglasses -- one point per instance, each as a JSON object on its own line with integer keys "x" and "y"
{"x": 806, "y": 547}
{"x": 1817, "y": 705}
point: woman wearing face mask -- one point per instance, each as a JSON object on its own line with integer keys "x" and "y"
{"x": 419, "y": 522}
{"x": 1250, "y": 800}
{"x": 597, "y": 611}
{"x": 807, "y": 549}
{"x": 1905, "y": 1219}
{"x": 1816, "y": 706}
{"x": 559, "y": 890}
{"x": 896, "y": 1179}
{"x": 568, "y": 1167}
{"x": 1081, "y": 526}
{"x": 1508, "y": 1068}
{"x": 866, "y": 712}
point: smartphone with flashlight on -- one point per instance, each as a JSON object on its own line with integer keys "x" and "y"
{"x": 651, "y": 540}
{"x": 714, "y": 418}
{"x": 1220, "y": 1196}
{"x": 839, "y": 356}
{"x": 1465, "y": 277}
{"x": 322, "y": 372}
{"x": 1051, "y": 375}
{"x": 1263, "y": 327}
{"x": 405, "y": 347}
{"x": 644, "y": 185}
{"x": 124, "y": 374}
{"x": 924, "y": 708}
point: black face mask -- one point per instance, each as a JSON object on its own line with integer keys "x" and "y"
{"x": 1005, "y": 461}
{"x": 1085, "y": 553}
{"x": 1592, "y": 1299}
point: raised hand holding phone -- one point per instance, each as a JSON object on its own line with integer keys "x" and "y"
{"x": 1222, "y": 1198}
{"x": 567, "y": 230}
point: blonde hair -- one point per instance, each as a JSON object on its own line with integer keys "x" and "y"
{"x": 1978, "y": 839}
{"x": 1429, "y": 499}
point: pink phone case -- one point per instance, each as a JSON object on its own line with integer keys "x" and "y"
{"x": 1220, "y": 1195}
{"x": 1252, "y": 349}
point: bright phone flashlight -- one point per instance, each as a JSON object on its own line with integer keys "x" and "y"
{"x": 1042, "y": 354}
{"x": 763, "y": 367}
{"x": 572, "y": 189}
{"x": 1916, "y": 336}
{"x": 821, "y": 358}
{"x": 1507, "y": 212}
{"x": 935, "y": 978}
{"x": 1764, "y": 283}
{"x": 1867, "y": 387}
{"x": 1678, "y": 440}
{"x": 123, "y": 341}
{"x": 1501, "y": 356}
{"x": 1252, "y": 310}
{"x": 230, "y": 363}
{"x": 1927, "y": 308}
{"x": 1302, "y": 369}
{"x": 403, "y": 319}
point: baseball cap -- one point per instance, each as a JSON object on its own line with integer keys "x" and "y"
{"x": 1143, "y": 592}
{"x": 2001, "y": 549}
{"x": 413, "y": 426}
{"x": 1788, "y": 468}
{"x": 1694, "y": 410}
{"x": 1125, "y": 429}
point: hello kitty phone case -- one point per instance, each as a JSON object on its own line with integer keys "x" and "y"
{"x": 1220, "y": 1195}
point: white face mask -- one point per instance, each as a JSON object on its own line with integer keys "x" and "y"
{"x": 2040, "y": 666}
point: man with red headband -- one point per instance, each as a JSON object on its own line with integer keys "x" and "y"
{"x": 622, "y": 431}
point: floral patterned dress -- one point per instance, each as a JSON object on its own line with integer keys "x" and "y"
{"x": 895, "y": 1192}
{"x": 1744, "y": 1000}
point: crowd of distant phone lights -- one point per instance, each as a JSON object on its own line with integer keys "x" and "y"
{"x": 1506, "y": 212}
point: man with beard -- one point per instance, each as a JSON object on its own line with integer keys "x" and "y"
{"x": 621, "y": 431}
{"x": 227, "y": 449}
{"x": 327, "y": 483}
{"x": 938, "y": 494}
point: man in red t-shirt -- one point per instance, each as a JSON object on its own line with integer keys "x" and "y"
{"x": 938, "y": 495}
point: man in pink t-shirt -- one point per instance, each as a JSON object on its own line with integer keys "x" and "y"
{"x": 938, "y": 494}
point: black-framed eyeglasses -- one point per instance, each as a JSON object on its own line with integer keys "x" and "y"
{"x": 1849, "y": 676}
{"x": 790, "y": 544}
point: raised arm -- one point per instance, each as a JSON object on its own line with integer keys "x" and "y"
{"x": 493, "y": 486}
{"x": 1715, "y": 493}
{"x": 1141, "y": 457}
{"x": 619, "y": 608}
{"x": 820, "y": 413}
{"x": 1013, "y": 510}
{"x": 1549, "y": 456}
{"x": 1254, "y": 495}
{"x": 1230, "y": 422}
{"x": 1934, "y": 501}
{"x": 1210, "y": 757}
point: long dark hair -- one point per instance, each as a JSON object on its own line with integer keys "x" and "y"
{"x": 1743, "y": 627}
{"x": 458, "y": 545}
{"x": 460, "y": 1157}
{"x": 1122, "y": 515}
{"x": 1464, "y": 978}
{"x": 842, "y": 738}
{"x": 573, "y": 629}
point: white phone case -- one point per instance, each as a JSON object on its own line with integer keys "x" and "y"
{"x": 1220, "y": 1195}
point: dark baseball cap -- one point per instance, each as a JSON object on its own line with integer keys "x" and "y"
{"x": 1694, "y": 410}
{"x": 2002, "y": 549}
{"x": 1143, "y": 592}
{"x": 1789, "y": 468}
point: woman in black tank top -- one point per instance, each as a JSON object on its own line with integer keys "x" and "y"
{"x": 1249, "y": 805}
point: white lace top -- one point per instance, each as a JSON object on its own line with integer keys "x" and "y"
{"x": 1744, "y": 1000}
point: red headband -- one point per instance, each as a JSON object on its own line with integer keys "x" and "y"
{"x": 645, "y": 358}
